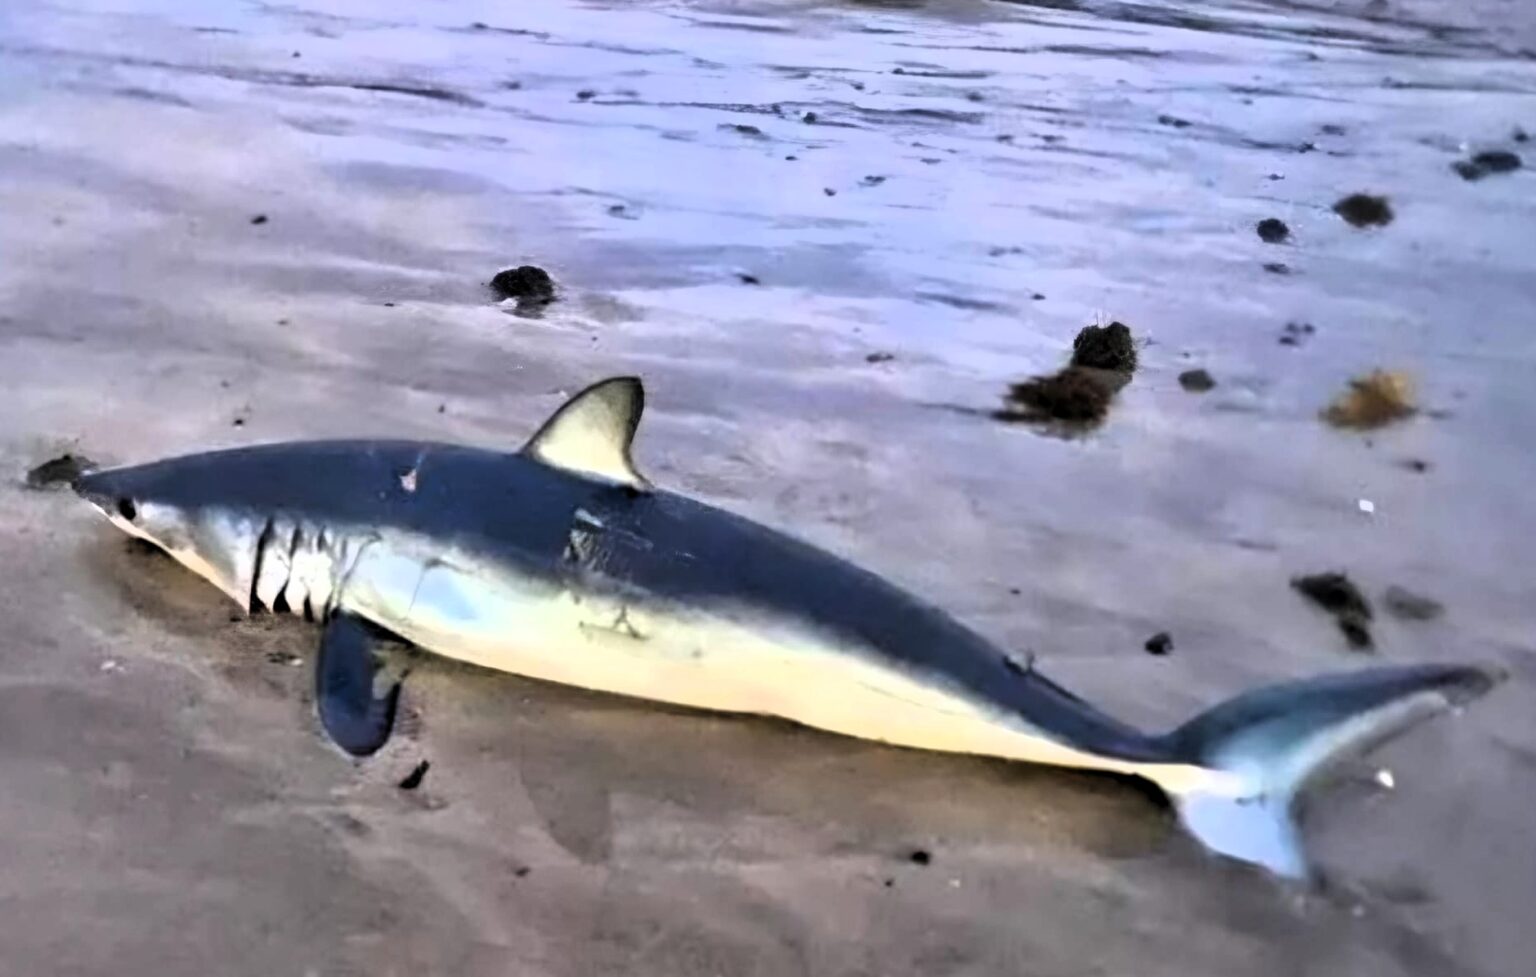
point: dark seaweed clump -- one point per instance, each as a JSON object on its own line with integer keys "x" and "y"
{"x": 1364, "y": 210}
{"x": 1108, "y": 347}
{"x": 1338, "y": 595}
{"x": 527, "y": 283}
{"x": 62, "y": 470}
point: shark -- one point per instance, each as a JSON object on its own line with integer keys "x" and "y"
{"x": 562, "y": 562}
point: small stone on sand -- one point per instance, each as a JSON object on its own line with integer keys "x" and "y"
{"x": 1488, "y": 163}
{"x": 1197, "y": 381}
{"x": 1409, "y": 606}
{"x": 1273, "y": 230}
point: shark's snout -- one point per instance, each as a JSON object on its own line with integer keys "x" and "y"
{"x": 102, "y": 490}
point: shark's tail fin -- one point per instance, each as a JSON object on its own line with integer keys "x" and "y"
{"x": 1274, "y": 742}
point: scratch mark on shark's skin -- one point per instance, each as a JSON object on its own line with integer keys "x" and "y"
{"x": 621, "y": 626}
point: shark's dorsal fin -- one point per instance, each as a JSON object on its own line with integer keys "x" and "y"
{"x": 591, "y": 433}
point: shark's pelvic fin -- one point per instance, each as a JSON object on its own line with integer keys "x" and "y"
{"x": 357, "y": 717}
{"x": 591, "y": 433}
{"x": 1276, "y": 741}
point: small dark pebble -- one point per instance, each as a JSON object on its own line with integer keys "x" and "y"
{"x": 872, "y": 181}
{"x": 809, "y": 118}
{"x": 1173, "y": 120}
{"x": 416, "y": 776}
{"x": 238, "y": 422}
{"x": 1037, "y": 297}
{"x": 1487, "y": 163}
{"x": 1520, "y": 135}
{"x": 1278, "y": 268}
{"x": 1338, "y": 595}
{"x": 1333, "y": 130}
{"x": 479, "y": 26}
{"x": 879, "y": 357}
{"x": 890, "y": 883}
{"x": 585, "y": 94}
{"x": 829, "y": 191}
{"x": 62, "y": 470}
{"x": 747, "y": 279}
{"x": 442, "y": 408}
{"x": 975, "y": 96}
{"x": 1409, "y": 606}
{"x": 920, "y": 856}
{"x": 745, "y": 130}
{"x": 1272, "y": 230}
{"x": 792, "y": 158}
{"x": 1295, "y": 332}
{"x": 526, "y": 283}
{"x": 1160, "y": 643}
{"x": 1418, "y": 465}
{"x": 1197, "y": 381}
{"x": 1005, "y": 137}
{"x": 259, "y": 219}
{"x": 1108, "y": 347}
{"x": 1364, "y": 210}
{"x": 522, "y": 871}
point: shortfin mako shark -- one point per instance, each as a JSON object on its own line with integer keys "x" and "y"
{"x": 561, "y": 562}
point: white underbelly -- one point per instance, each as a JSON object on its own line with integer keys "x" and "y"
{"x": 724, "y": 659}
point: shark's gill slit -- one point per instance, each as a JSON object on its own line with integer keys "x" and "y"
{"x": 254, "y": 602}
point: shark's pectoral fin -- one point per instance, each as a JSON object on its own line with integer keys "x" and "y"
{"x": 591, "y": 433}
{"x": 356, "y": 717}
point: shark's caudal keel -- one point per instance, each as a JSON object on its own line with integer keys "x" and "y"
{"x": 560, "y": 562}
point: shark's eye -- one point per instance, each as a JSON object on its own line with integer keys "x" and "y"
{"x": 127, "y": 509}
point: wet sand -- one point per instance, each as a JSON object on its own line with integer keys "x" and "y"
{"x": 169, "y": 805}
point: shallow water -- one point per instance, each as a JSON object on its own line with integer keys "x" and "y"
{"x": 913, "y": 176}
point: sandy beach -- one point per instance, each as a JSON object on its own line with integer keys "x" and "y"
{"x": 829, "y": 236}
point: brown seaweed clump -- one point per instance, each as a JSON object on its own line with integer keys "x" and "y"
{"x": 1374, "y": 400}
{"x": 1079, "y": 395}
{"x": 1338, "y": 595}
{"x": 1076, "y": 394}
